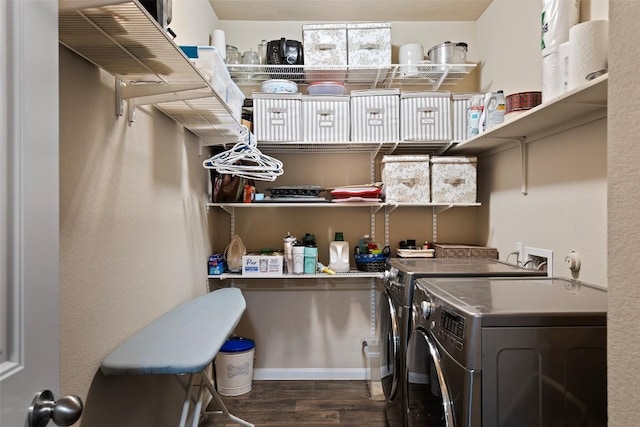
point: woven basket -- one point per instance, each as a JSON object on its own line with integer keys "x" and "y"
{"x": 371, "y": 263}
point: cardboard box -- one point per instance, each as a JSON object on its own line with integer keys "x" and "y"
{"x": 375, "y": 115}
{"x": 460, "y": 104}
{"x": 262, "y": 265}
{"x": 453, "y": 179}
{"x": 325, "y": 46}
{"x": 464, "y": 251}
{"x": 406, "y": 179}
{"x": 369, "y": 43}
{"x": 276, "y": 116}
{"x": 426, "y": 116}
{"x": 325, "y": 118}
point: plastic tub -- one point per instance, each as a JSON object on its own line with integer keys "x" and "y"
{"x": 234, "y": 366}
{"x": 326, "y": 88}
{"x": 279, "y": 86}
{"x": 372, "y": 359}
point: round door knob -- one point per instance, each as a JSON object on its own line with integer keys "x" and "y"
{"x": 64, "y": 412}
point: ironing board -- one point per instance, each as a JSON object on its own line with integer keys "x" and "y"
{"x": 183, "y": 341}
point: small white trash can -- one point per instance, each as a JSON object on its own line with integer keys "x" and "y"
{"x": 234, "y": 366}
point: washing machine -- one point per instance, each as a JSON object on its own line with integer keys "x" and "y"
{"x": 395, "y": 313}
{"x": 507, "y": 352}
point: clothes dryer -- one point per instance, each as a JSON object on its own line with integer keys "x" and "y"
{"x": 395, "y": 313}
{"x": 507, "y": 352}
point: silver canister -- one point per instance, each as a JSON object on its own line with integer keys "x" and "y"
{"x": 448, "y": 53}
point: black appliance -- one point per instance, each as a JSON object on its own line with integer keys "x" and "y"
{"x": 285, "y": 52}
{"x": 525, "y": 352}
{"x": 396, "y": 312}
{"x": 160, "y": 10}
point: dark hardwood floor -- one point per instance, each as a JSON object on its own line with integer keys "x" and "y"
{"x": 303, "y": 403}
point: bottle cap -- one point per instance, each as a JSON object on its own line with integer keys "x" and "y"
{"x": 339, "y": 236}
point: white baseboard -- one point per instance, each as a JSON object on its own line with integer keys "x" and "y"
{"x": 310, "y": 374}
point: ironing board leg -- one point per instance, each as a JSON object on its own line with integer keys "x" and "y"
{"x": 225, "y": 411}
{"x": 186, "y": 403}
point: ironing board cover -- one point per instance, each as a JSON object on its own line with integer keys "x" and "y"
{"x": 183, "y": 341}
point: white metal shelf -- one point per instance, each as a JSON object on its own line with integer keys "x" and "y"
{"x": 349, "y": 275}
{"x": 124, "y": 40}
{"x": 434, "y": 76}
{"x": 391, "y": 206}
{"x": 574, "y": 108}
{"x": 571, "y": 109}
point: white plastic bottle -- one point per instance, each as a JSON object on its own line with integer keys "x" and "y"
{"x": 496, "y": 110}
{"x": 339, "y": 254}
{"x": 475, "y": 114}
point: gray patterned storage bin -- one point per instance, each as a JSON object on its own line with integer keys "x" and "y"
{"x": 406, "y": 179}
{"x": 325, "y": 45}
{"x": 453, "y": 179}
{"x": 375, "y": 115}
{"x": 325, "y": 118}
{"x": 460, "y": 103}
{"x": 276, "y": 117}
{"x": 426, "y": 116}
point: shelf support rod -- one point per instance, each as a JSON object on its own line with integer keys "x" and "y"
{"x": 119, "y": 101}
{"x": 434, "y": 225}
{"x": 373, "y": 307}
{"x": 131, "y": 111}
{"x": 522, "y": 142}
{"x": 524, "y": 162}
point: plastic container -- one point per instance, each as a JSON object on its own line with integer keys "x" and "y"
{"x": 339, "y": 254}
{"x": 279, "y": 86}
{"x": 496, "y": 109}
{"x": 234, "y": 366}
{"x": 310, "y": 259}
{"x": 326, "y": 88}
{"x": 298, "y": 258}
{"x": 372, "y": 359}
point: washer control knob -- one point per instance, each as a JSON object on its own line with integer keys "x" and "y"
{"x": 426, "y": 307}
{"x": 391, "y": 274}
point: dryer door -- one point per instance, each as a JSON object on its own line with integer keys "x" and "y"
{"x": 428, "y": 395}
{"x": 389, "y": 346}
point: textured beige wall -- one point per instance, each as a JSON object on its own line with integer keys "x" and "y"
{"x": 133, "y": 238}
{"x": 624, "y": 221}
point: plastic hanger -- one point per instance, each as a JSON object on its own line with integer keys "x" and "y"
{"x": 244, "y": 159}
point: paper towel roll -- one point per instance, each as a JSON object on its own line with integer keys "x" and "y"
{"x": 220, "y": 43}
{"x": 588, "y": 50}
{"x": 551, "y": 78}
{"x": 558, "y": 16}
{"x": 563, "y": 58}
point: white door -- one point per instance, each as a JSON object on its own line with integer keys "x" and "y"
{"x": 29, "y": 359}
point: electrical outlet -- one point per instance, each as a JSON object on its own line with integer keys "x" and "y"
{"x": 538, "y": 259}
{"x": 519, "y": 249}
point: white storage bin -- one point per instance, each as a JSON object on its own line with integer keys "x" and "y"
{"x": 406, "y": 179}
{"x": 375, "y": 115}
{"x": 235, "y": 100}
{"x": 369, "y": 43}
{"x": 234, "y": 366}
{"x": 453, "y": 179}
{"x": 325, "y": 118}
{"x": 426, "y": 116}
{"x": 325, "y": 46}
{"x": 372, "y": 359}
{"x": 460, "y": 103}
{"x": 276, "y": 117}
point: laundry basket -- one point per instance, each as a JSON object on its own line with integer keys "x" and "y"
{"x": 234, "y": 366}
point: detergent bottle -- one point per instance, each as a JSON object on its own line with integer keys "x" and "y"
{"x": 496, "y": 109}
{"x": 339, "y": 254}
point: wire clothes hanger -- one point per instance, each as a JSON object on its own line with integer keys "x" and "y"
{"x": 245, "y": 160}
